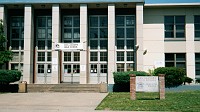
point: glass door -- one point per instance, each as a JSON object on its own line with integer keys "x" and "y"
{"x": 43, "y": 73}
{"x": 71, "y": 73}
{"x": 98, "y": 44}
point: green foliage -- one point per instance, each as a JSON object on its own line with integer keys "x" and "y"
{"x": 187, "y": 80}
{"x": 7, "y": 76}
{"x": 123, "y": 77}
{"x": 122, "y": 80}
{"x": 198, "y": 80}
{"x": 5, "y": 55}
{"x": 173, "y": 76}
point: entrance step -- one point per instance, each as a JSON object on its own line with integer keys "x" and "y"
{"x": 73, "y": 88}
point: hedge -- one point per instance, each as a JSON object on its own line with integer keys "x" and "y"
{"x": 122, "y": 80}
{"x": 173, "y": 76}
{"x": 8, "y": 76}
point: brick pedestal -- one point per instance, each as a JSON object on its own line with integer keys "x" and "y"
{"x": 162, "y": 86}
{"x": 132, "y": 86}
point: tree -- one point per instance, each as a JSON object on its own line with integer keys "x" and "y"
{"x": 5, "y": 55}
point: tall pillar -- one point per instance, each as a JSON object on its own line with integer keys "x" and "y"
{"x": 139, "y": 35}
{"x": 83, "y": 39}
{"x": 3, "y": 16}
{"x": 111, "y": 43}
{"x": 55, "y": 78}
{"x": 190, "y": 46}
{"x": 28, "y": 44}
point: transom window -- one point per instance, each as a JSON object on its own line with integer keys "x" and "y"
{"x": 125, "y": 41}
{"x": 71, "y": 56}
{"x": 175, "y": 60}
{"x": 174, "y": 27}
{"x": 197, "y": 26}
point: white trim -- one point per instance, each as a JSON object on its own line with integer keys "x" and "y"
{"x": 172, "y": 4}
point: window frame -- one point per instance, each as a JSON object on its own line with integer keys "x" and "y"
{"x": 175, "y": 30}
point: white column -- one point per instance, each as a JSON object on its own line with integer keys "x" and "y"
{"x": 111, "y": 43}
{"x": 190, "y": 46}
{"x": 3, "y": 16}
{"x": 28, "y": 44}
{"x": 83, "y": 40}
{"x": 2, "y": 12}
{"x": 139, "y": 36}
{"x": 55, "y": 78}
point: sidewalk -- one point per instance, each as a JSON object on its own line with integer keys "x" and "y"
{"x": 50, "y": 102}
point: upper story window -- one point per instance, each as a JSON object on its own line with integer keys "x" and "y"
{"x": 197, "y": 26}
{"x": 174, "y": 27}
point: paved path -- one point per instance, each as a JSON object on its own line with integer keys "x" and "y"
{"x": 50, "y": 102}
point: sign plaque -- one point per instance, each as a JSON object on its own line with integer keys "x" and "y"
{"x": 147, "y": 84}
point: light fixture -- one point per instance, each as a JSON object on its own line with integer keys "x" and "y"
{"x": 145, "y": 51}
{"x": 136, "y": 47}
{"x": 97, "y": 5}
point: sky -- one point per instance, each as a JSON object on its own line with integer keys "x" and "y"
{"x": 171, "y": 1}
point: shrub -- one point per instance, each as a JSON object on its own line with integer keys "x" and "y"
{"x": 197, "y": 80}
{"x": 173, "y": 76}
{"x": 187, "y": 80}
{"x": 8, "y": 76}
{"x": 122, "y": 80}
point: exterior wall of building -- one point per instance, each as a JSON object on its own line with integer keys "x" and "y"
{"x": 154, "y": 37}
{"x": 150, "y": 43}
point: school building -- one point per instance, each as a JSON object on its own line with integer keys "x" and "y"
{"x": 85, "y": 41}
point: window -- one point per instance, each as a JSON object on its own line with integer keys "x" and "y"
{"x": 71, "y": 29}
{"x": 17, "y": 33}
{"x": 44, "y": 33}
{"x": 174, "y": 27}
{"x": 93, "y": 56}
{"x": 197, "y": 65}
{"x": 197, "y": 26}
{"x": 125, "y": 41}
{"x": 175, "y": 60}
{"x": 120, "y": 56}
{"x": 17, "y": 42}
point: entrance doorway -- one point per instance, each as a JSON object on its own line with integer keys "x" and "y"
{"x": 71, "y": 73}
{"x": 43, "y": 73}
{"x": 98, "y": 73}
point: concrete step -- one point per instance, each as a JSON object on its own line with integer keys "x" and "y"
{"x": 77, "y": 88}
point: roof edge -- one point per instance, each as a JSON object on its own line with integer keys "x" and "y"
{"x": 67, "y": 1}
{"x": 171, "y": 4}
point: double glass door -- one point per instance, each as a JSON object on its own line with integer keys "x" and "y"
{"x": 43, "y": 73}
{"x": 71, "y": 73}
{"x": 98, "y": 73}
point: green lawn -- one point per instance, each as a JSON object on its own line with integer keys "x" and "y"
{"x": 188, "y": 101}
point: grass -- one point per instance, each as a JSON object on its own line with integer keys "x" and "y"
{"x": 188, "y": 101}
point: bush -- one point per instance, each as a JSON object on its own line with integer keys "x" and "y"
{"x": 197, "y": 80}
{"x": 187, "y": 80}
{"x": 173, "y": 76}
{"x": 122, "y": 80}
{"x": 8, "y": 76}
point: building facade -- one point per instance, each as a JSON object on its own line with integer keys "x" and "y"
{"x": 116, "y": 35}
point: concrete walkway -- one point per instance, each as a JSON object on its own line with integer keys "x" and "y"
{"x": 50, "y": 102}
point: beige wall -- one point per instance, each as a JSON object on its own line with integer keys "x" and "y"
{"x": 154, "y": 37}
